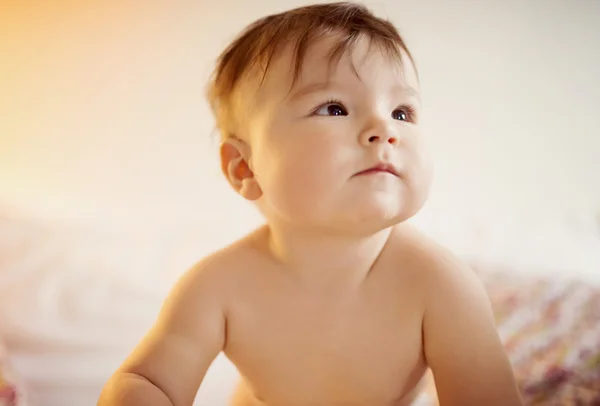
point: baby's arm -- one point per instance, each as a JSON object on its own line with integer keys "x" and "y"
{"x": 167, "y": 367}
{"x": 462, "y": 347}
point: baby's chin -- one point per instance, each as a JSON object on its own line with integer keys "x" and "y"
{"x": 361, "y": 214}
{"x": 375, "y": 216}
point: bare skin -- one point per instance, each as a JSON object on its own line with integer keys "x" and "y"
{"x": 355, "y": 343}
{"x": 365, "y": 340}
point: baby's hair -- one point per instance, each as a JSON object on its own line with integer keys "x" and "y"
{"x": 302, "y": 26}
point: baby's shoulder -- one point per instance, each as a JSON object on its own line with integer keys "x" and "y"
{"x": 204, "y": 293}
{"x": 228, "y": 264}
{"x": 443, "y": 277}
{"x": 433, "y": 264}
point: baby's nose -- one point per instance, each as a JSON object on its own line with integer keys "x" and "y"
{"x": 389, "y": 138}
{"x": 379, "y": 133}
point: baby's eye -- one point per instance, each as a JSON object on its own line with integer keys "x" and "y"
{"x": 331, "y": 109}
{"x": 401, "y": 114}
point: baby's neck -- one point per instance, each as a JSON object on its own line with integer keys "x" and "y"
{"x": 322, "y": 257}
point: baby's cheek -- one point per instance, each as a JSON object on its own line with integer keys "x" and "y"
{"x": 419, "y": 175}
{"x": 423, "y": 164}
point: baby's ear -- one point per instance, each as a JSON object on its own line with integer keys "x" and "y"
{"x": 235, "y": 157}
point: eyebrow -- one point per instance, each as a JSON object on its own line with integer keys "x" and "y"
{"x": 321, "y": 86}
{"x": 406, "y": 89}
{"x": 311, "y": 88}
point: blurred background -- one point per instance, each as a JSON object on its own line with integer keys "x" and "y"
{"x": 110, "y": 185}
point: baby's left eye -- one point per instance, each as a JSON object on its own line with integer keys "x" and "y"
{"x": 401, "y": 114}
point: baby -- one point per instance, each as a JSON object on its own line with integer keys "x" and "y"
{"x": 336, "y": 300}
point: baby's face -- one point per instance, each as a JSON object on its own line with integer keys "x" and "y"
{"x": 310, "y": 147}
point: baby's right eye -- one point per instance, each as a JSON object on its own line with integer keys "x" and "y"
{"x": 332, "y": 108}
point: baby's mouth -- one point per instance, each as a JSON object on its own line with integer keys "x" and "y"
{"x": 380, "y": 168}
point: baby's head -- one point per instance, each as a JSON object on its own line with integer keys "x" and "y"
{"x": 308, "y": 100}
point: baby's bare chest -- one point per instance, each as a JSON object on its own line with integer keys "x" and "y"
{"x": 362, "y": 347}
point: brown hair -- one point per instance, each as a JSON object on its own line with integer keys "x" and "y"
{"x": 302, "y": 26}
